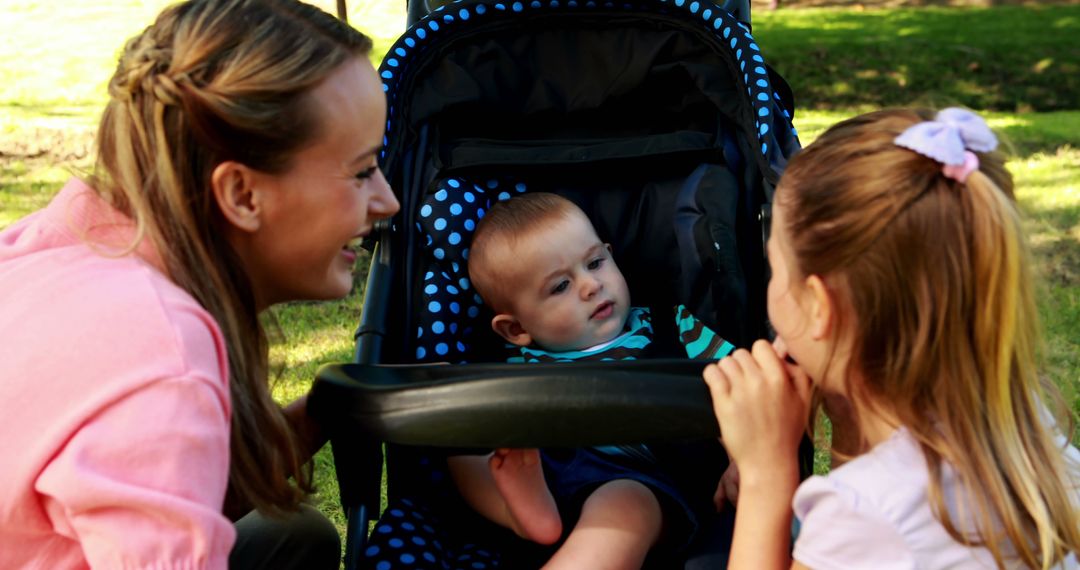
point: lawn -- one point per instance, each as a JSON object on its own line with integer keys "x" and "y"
{"x": 1007, "y": 58}
{"x": 1022, "y": 64}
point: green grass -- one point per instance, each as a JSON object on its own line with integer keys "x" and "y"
{"x": 309, "y": 335}
{"x": 1011, "y": 60}
{"x": 1006, "y": 58}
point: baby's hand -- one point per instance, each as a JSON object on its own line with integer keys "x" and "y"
{"x": 727, "y": 491}
{"x": 762, "y": 405}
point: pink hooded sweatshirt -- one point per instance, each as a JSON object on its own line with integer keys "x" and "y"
{"x": 114, "y": 400}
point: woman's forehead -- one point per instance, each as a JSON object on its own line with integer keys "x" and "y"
{"x": 351, "y": 110}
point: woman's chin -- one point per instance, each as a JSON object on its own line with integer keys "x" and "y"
{"x": 338, "y": 286}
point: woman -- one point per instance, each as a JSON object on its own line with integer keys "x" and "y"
{"x": 236, "y": 169}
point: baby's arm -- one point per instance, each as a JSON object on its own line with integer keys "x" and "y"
{"x": 508, "y": 488}
{"x": 700, "y": 342}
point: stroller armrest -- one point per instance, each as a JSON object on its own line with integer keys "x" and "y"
{"x": 517, "y": 405}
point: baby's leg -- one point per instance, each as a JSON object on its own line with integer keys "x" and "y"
{"x": 508, "y": 489}
{"x": 619, "y": 523}
{"x": 529, "y": 505}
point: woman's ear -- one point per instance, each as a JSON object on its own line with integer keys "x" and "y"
{"x": 510, "y": 329}
{"x": 822, "y": 308}
{"x": 234, "y": 189}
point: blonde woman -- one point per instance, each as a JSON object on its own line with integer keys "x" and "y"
{"x": 901, "y": 285}
{"x": 236, "y": 169}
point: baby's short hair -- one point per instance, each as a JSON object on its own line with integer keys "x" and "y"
{"x": 505, "y": 222}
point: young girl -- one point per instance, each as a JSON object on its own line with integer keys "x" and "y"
{"x": 901, "y": 285}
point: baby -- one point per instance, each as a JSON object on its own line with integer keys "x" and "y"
{"x": 557, "y": 295}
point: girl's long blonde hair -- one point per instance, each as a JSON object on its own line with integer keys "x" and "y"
{"x": 210, "y": 81}
{"x": 933, "y": 280}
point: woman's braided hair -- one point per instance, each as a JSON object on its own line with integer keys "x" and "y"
{"x": 211, "y": 81}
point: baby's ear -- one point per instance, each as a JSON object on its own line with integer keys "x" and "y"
{"x": 509, "y": 328}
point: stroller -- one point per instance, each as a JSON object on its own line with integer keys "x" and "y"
{"x": 661, "y": 120}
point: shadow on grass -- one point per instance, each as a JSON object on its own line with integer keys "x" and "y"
{"x": 1007, "y": 58}
{"x": 1060, "y": 262}
{"x": 1059, "y": 218}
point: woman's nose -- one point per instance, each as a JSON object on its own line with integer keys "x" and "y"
{"x": 383, "y": 203}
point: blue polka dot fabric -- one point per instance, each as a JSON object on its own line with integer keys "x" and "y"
{"x": 409, "y": 536}
{"x": 449, "y": 306}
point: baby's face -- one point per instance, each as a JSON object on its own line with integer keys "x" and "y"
{"x": 567, "y": 292}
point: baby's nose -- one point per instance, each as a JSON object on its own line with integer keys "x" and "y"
{"x": 591, "y": 286}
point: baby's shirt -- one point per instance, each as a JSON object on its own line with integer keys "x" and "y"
{"x": 636, "y": 335}
{"x": 874, "y": 512}
{"x": 699, "y": 341}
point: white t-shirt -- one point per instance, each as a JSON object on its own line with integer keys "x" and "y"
{"x": 874, "y": 512}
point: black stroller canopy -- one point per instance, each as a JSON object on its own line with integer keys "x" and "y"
{"x": 612, "y": 105}
{"x": 514, "y": 71}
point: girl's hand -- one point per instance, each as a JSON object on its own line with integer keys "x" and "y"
{"x": 762, "y": 404}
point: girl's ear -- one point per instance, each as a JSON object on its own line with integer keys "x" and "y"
{"x": 510, "y": 329}
{"x": 237, "y": 198}
{"x": 822, "y": 308}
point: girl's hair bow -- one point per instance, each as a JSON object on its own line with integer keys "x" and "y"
{"x": 950, "y": 139}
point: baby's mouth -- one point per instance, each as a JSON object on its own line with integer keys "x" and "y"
{"x": 603, "y": 311}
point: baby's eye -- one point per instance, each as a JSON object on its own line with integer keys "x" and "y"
{"x": 560, "y": 287}
{"x": 368, "y": 173}
{"x": 596, "y": 263}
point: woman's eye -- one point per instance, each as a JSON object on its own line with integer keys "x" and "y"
{"x": 560, "y": 287}
{"x": 365, "y": 174}
{"x": 596, "y": 263}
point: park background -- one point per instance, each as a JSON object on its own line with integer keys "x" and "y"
{"x": 1017, "y": 62}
